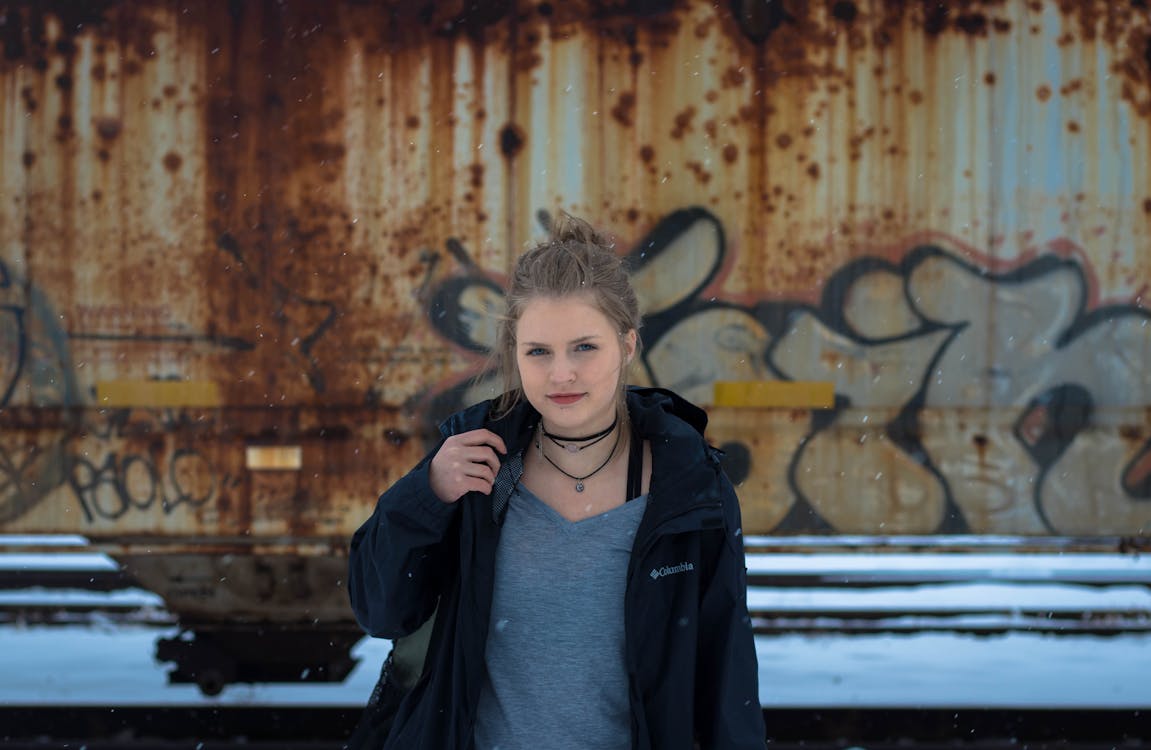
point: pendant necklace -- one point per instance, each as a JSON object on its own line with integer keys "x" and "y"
{"x": 588, "y": 440}
{"x": 579, "y": 486}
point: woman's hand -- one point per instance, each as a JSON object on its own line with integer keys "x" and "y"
{"x": 466, "y": 462}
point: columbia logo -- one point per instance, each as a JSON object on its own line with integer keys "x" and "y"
{"x": 667, "y": 570}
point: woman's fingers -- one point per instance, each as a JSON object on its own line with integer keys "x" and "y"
{"x": 480, "y": 437}
{"x": 484, "y": 461}
{"x": 467, "y": 462}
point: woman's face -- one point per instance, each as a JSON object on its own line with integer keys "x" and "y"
{"x": 569, "y": 358}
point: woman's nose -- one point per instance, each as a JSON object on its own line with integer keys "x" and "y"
{"x": 562, "y": 370}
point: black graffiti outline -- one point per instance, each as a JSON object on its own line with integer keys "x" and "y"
{"x": 114, "y": 473}
{"x": 904, "y": 430}
{"x": 25, "y": 484}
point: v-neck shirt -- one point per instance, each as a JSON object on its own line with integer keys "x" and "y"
{"x": 556, "y": 675}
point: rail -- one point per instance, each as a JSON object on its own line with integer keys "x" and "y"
{"x": 316, "y": 728}
{"x": 795, "y": 584}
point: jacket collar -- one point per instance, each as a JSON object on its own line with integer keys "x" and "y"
{"x": 686, "y": 467}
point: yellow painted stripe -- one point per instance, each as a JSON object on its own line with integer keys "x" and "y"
{"x": 794, "y": 394}
{"x": 274, "y": 457}
{"x": 157, "y": 393}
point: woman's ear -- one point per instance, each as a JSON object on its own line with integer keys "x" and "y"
{"x": 629, "y": 342}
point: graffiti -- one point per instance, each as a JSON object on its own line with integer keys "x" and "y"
{"x": 968, "y": 400}
{"x": 35, "y": 371}
{"x": 304, "y": 320}
{"x": 108, "y": 480}
{"x": 134, "y": 482}
{"x": 971, "y": 397}
{"x": 45, "y": 454}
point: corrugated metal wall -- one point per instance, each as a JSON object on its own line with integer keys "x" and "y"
{"x": 252, "y": 224}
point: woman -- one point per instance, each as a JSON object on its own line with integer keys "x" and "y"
{"x": 576, "y": 539}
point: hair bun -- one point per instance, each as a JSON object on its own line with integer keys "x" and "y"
{"x": 567, "y": 229}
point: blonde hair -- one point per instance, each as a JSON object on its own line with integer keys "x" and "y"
{"x": 574, "y": 260}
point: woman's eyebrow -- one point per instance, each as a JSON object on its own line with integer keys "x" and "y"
{"x": 579, "y": 340}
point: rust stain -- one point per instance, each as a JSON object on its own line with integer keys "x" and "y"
{"x": 974, "y": 24}
{"x": 624, "y": 109}
{"x": 845, "y": 11}
{"x": 326, "y": 151}
{"x": 29, "y": 99}
{"x": 108, "y": 128}
{"x": 512, "y": 139}
{"x": 699, "y": 171}
{"x": 1138, "y": 474}
{"x": 733, "y": 77}
{"x": 1043, "y": 93}
{"x": 1033, "y": 425}
{"x": 682, "y": 122}
{"x": 981, "y": 443}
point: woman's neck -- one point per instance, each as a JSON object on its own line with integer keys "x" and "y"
{"x": 577, "y": 443}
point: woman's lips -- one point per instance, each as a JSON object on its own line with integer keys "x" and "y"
{"x": 563, "y": 399}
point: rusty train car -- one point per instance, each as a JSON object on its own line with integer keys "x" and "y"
{"x": 250, "y": 253}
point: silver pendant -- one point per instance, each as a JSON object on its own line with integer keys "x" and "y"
{"x": 571, "y": 448}
{"x": 579, "y": 486}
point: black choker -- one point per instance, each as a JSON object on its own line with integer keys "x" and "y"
{"x": 588, "y": 440}
{"x": 579, "y": 486}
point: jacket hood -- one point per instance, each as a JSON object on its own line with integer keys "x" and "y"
{"x": 642, "y": 402}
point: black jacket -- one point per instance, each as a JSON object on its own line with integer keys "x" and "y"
{"x": 689, "y": 647}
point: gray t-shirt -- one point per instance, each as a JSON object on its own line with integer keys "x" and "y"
{"x": 555, "y": 650}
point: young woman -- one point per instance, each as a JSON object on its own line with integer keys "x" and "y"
{"x": 576, "y": 540}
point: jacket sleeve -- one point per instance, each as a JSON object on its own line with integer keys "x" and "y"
{"x": 728, "y": 710}
{"x": 401, "y": 556}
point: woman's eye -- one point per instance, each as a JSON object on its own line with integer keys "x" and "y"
{"x": 585, "y": 347}
{"x": 536, "y": 352}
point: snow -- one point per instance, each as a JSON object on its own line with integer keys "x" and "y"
{"x": 53, "y": 561}
{"x": 40, "y": 597}
{"x": 939, "y": 670}
{"x": 1030, "y": 566}
{"x": 41, "y": 540}
{"x": 954, "y": 597}
{"x": 86, "y": 665}
{"x": 114, "y": 665}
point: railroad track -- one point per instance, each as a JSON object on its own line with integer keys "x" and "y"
{"x": 304, "y": 728}
{"x": 819, "y": 592}
{"x": 790, "y": 592}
